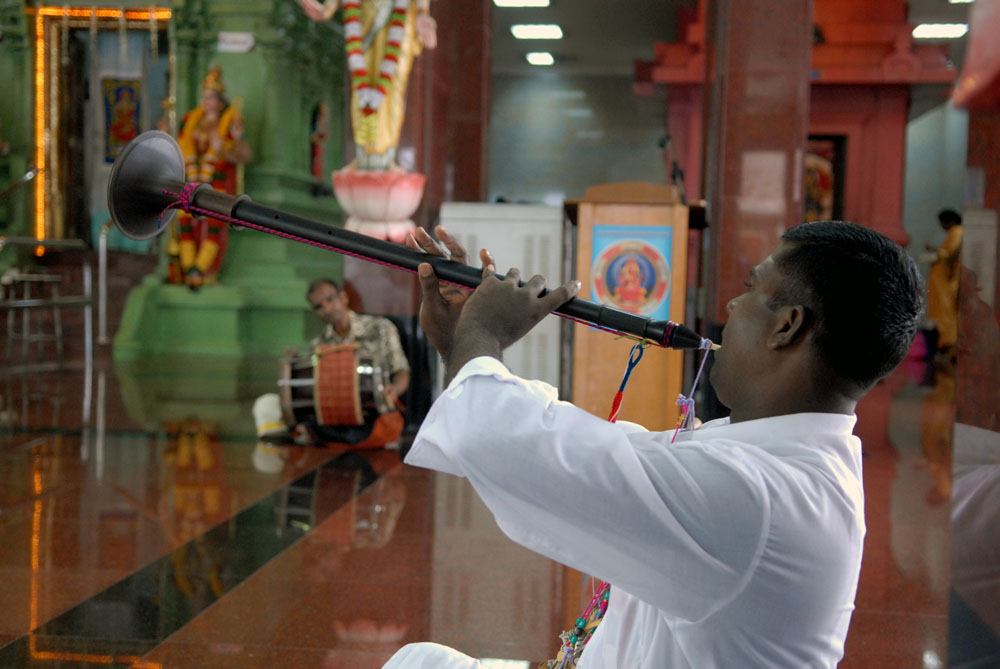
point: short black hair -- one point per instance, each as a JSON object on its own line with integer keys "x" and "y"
{"x": 323, "y": 281}
{"x": 865, "y": 294}
{"x": 950, "y": 216}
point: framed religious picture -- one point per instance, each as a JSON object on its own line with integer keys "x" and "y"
{"x": 631, "y": 268}
{"x": 121, "y": 114}
{"x": 824, "y": 177}
{"x": 631, "y": 254}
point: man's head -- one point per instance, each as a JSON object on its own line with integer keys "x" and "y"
{"x": 849, "y": 295}
{"x": 948, "y": 218}
{"x": 328, "y": 301}
{"x": 865, "y": 291}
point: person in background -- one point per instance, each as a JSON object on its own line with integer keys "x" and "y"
{"x": 942, "y": 282}
{"x": 378, "y": 339}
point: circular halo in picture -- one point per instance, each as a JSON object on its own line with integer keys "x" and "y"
{"x": 632, "y": 276}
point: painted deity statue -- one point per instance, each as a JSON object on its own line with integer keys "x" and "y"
{"x": 212, "y": 141}
{"x": 382, "y": 39}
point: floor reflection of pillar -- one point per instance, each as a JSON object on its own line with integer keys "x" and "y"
{"x": 901, "y": 605}
{"x": 489, "y": 596}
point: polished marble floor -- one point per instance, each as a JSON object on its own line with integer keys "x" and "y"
{"x": 156, "y": 532}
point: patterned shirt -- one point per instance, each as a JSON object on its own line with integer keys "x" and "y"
{"x": 376, "y": 336}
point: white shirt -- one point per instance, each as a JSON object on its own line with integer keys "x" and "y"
{"x": 739, "y": 545}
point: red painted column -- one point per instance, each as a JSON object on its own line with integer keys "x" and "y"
{"x": 684, "y": 123}
{"x": 984, "y": 152}
{"x": 758, "y": 110}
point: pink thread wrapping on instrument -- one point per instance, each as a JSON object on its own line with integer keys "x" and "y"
{"x": 183, "y": 203}
{"x": 687, "y": 402}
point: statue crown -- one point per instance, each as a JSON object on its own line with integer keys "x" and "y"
{"x": 213, "y": 81}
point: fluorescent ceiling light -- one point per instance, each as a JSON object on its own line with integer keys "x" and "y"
{"x": 540, "y": 58}
{"x": 940, "y": 30}
{"x": 540, "y": 31}
{"x": 959, "y": 2}
{"x": 535, "y": 3}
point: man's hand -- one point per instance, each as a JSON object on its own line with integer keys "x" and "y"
{"x": 507, "y": 310}
{"x": 396, "y": 388}
{"x": 442, "y": 302}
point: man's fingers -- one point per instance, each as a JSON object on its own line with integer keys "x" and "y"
{"x": 426, "y": 243}
{"x": 428, "y": 283}
{"x": 536, "y": 284}
{"x": 560, "y": 295}
{"x": 487, "y": 260}
{"x": 513, "y": 274}
{"x": 457, "y": 251}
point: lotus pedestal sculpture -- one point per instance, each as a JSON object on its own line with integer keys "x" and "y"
{"x": 379, "y": 203}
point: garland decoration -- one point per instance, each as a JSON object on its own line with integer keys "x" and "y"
{"x": 370, "y": 89}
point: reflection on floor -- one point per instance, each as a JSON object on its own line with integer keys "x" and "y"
{"x": 136, "y": 532}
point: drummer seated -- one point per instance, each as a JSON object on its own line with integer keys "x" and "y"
{"x": 377, "y": 339}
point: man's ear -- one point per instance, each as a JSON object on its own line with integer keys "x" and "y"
{"x": 789, "y": 326}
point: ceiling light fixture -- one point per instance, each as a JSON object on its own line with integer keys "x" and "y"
{"x": 540, "y": 58}
{"x": 521, "y": 3}
{"x": 959, "y": 2}
{"x": 536, "y": 31}
{"x": 940, "y": 30}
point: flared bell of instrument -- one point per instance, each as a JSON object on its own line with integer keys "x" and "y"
{"x": 151, "y": 164}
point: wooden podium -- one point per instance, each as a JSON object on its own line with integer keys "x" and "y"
{"x": 631, "y": 254}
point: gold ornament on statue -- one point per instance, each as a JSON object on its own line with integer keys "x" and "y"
{"x": 213, "y": 81}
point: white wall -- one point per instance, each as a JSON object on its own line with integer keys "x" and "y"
{"x": 552, "y": 136}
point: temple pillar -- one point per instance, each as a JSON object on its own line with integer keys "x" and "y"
{"x": 758, "y": 113}
{"x": 15, "y": 133}
{"x": 984, "y": 155}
